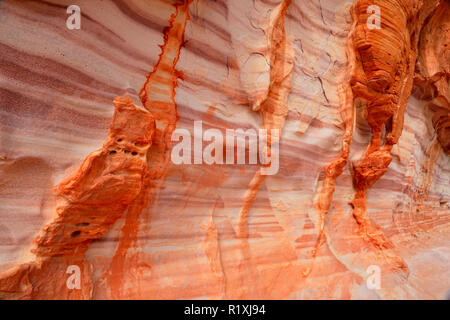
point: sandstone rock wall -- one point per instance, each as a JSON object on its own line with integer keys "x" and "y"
{"x": 363, "y": 116}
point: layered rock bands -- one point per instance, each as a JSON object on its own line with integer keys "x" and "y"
{"x": 358, "y": 93}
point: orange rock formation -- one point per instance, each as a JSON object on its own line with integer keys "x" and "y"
{"x": 89, "y": 202}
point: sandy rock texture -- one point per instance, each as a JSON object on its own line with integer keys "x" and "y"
{"x": 87, "y": 179}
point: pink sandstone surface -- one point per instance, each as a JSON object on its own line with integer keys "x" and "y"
{"x": 86, "y": 177}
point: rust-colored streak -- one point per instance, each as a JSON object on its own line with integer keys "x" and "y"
{"x": 327, "y": 180}
{"x": 273, "y": 111}
{"x": 158, "y": 92}
{"x": 158, "y": 97}
{"x": 273, "y": 108}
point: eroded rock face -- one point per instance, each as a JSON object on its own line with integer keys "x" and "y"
{"x": 381, "y": 84}
{"x": 106, "y": 183}
{"x": 363, "y": 116}
{"x": 88, "y": 203}
{"x": 433, "y": 71}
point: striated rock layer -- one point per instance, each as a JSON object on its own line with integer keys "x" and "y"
{"x": 364, "y": 169}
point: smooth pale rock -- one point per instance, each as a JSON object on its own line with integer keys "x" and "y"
{"x": 355, "y": 188}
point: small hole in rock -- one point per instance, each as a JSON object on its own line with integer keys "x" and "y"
{"x": 113, "y": 152}
{"x": 76, "y": 233}
{"x": 119, "y": 140}
{"x": 134, "y": 153}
